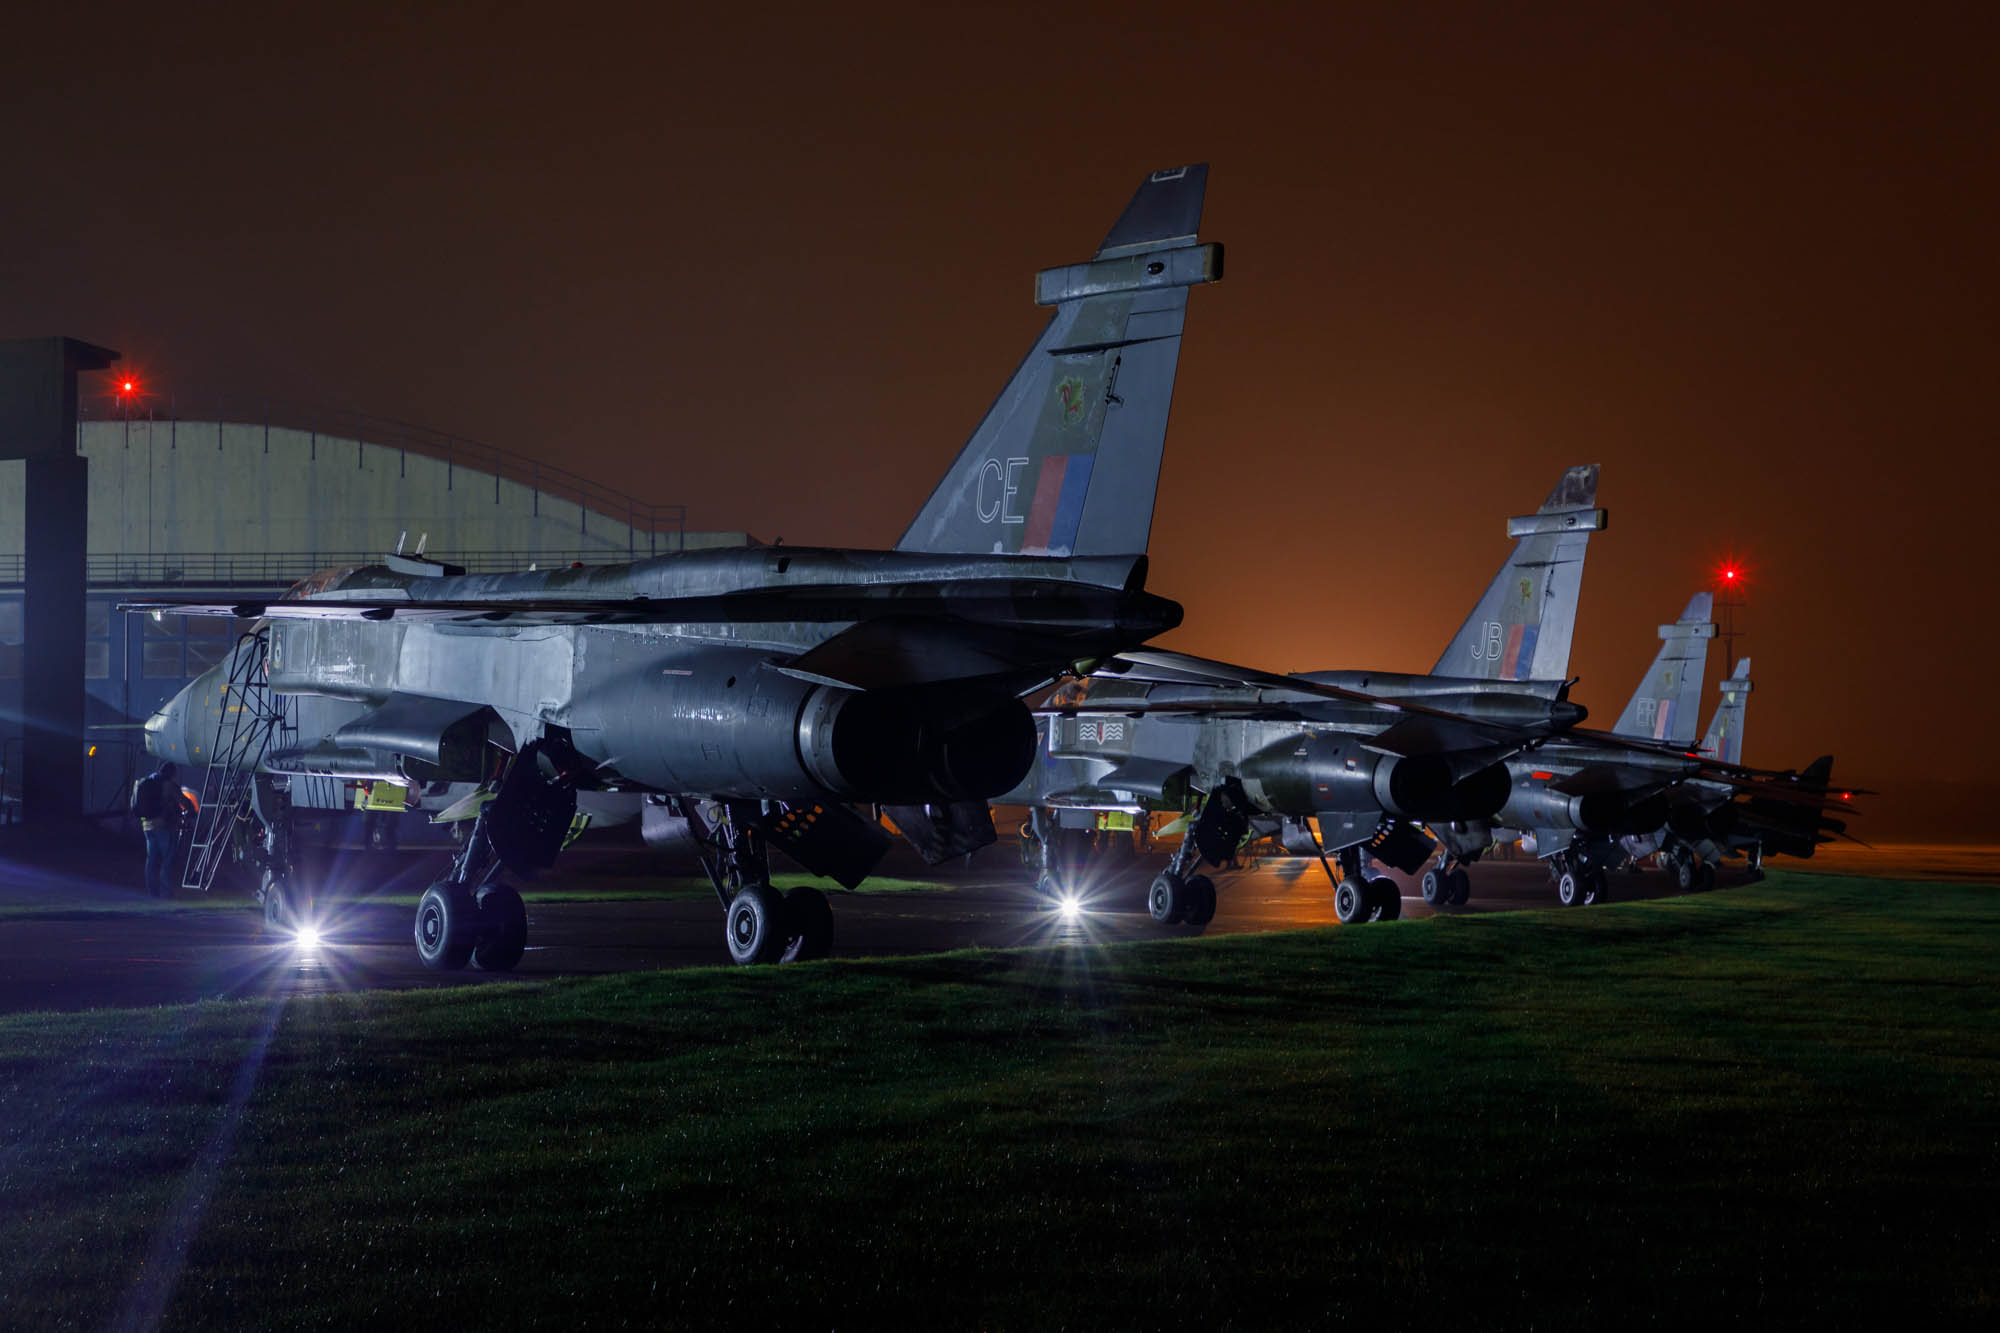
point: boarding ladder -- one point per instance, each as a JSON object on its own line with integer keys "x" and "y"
{"x": 250, "y": 719}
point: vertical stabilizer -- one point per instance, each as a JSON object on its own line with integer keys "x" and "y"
{"x": 1667, "y": 703}
{"x": 1521, "y": 629}
{"x": 1067, "y": 460}
{"x": 1724, "y": 740}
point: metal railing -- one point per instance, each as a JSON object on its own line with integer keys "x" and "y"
{"x": 664, "y": 525}
{"x": 272, "y": 568}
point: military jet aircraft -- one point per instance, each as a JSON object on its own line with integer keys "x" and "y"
{"x": 1706, "y": 822}
{"x": 1571, "y": 800}
{"x": 749, "y": 693}
{"x": 1374, "y": 755}
{"x": 1696, "y": 806}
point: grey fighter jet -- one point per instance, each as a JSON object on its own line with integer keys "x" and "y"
{"x": 1572, "y": 800}
{"x": 1707, "y": 822}
{"x": 1374, "y": 755}
{"x": 749, "y": 694}
{"x": 1696, "y": 807}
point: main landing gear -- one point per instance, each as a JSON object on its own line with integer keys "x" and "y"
{"x": 1580, "y": 878}
{"x": 1175, "y": 894}
{"x": 1691, "y": 875}
{"x": 1447, "y": 884}
{"x": 760, "y": 925}
{"x": 1360, "y": 896}
{"x": 469, "y": 916}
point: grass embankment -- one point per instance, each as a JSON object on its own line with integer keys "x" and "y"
{"x": 1778, "y": 1104}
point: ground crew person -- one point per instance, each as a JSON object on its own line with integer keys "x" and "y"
{"x": 158, "y": 802}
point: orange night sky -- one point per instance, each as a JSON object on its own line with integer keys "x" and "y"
{"x": 772, "y": 262}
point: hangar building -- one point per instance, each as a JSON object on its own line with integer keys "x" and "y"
{"x": 246, "y": 508}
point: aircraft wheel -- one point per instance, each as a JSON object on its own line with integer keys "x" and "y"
{"x": 1350, "y": 902}
{"x": 807, "y": 913}
{"x": 277, "y": 914}
{"x": 1461, "y": 886}
{"x": 1047, "y": 891}
{"x": 1167, "y": 899}
{"x": 1201, "y": 900}
{"x": 503, "y": 937}
{"x": 1569, "y": 888}
{"x": 1388, "y": 896}
{"x": 381, "y": 836}
{"x": 1596, "y": 887}
{"x": 755, "y": 925}
{"x": 446, "y": 925}
{"x": 1437, "y": 887}
{"x": 1705, "y": 877}
{"x": 1684, "y": 873}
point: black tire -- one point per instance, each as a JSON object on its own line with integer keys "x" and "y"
{"x": 1569, "y": 888}
{"x": 1047, "y": 892}
{"x": 754, "y": 925}
{"x": 1684, "y": 873}
{"x": 1437, "y": 887}
{"x": 1461, "y": 886}
{"x": 809, "y": 918}
{"x": 503, "y": 933}
{"x": 447, "y": 926}
{"x": 1388, "y": 897}
{"x": 1167, "y": 899}
{"x": 1350, "y": 902}
{"x": 1596, "y": 887}
{"x": 1201, "y": 900}
{"x": 1705, "y": 877}
{"x": 277, "y": 912}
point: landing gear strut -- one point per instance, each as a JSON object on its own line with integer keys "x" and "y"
{"x": 469, "y": 916}
{"x": 1359, "y": 896}
{"x": 759, "y": 924}
{"x": 1176, "y": 896}
{"x": 1447, "y": 884}
{"x": 1580, "y": 878}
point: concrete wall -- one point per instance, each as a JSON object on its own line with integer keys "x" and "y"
{"x": 208, "y": 487}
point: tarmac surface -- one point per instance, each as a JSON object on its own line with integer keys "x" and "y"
{"x": 77, "y": 938}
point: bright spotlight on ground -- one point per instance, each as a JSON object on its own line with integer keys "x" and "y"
{"x": 308, "y": 937}
{"x": 1069, "y": 908}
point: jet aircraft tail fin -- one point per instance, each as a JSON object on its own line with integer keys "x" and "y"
{"x": 1668, "y": 700}
{"x": 1521, "y": 628}
{"x": 1067, "y": 460}
{"x": 1724, "y": 740}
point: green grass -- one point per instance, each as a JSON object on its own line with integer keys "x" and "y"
{"x": 1773, "y": 1105}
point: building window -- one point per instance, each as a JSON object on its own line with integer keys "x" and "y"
{"x": 10, "y": 638}
{"x": 208, "y": 641}
{"x": 97, "y": 640}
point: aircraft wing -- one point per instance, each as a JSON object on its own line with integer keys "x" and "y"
{"x": 1181, "y": 668}
{"x": 1239, "y": 709}
{"x": 1002, "y": 617}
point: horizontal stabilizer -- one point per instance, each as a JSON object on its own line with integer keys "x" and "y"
{"x": 1563, "y": 520}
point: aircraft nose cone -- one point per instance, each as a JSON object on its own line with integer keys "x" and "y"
{"x": 164, "y": 738}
